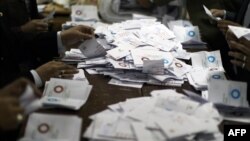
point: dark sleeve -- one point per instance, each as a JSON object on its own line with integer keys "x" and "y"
{"x": 230, "y": 16}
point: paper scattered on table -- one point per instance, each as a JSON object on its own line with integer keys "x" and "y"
{"x": 209, "y": 13}
{"x": 70, "y": 94}
{"x": 240, "y": 32}
{"x": 165, "y": 116}
{"x": 48, "y": 127}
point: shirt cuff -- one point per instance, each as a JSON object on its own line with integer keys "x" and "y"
{"x": 225, "y": 14}
{"x": 37, "y": 78}
{"x": 61, "y": 48}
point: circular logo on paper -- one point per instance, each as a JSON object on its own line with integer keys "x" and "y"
{"x": 178, "y": 65}
{"x": 122, "y": 65}
{"x": 166, "y": 61}
{"x": 58, "y": 89}
{"x": 191, "y": 33}
{"x": 43, "y": 128}
{"x": 144, "y": 58}
{"x": 78, "y": 12}
{"x": 211, "y": 59}
{"x": 216, "y": 77}
{"x": 235, "y": 93}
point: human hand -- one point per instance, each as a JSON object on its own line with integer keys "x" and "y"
{"x": 11, "y": 113}
{"x": 223, "y": 25}
{"x": 217, "y": 13}
{"x": 241, "y": 53}
{"x": 75, "y": 35}
{"x": 56, "y": 69}
{"x": 37, "y": 25}
{"x": 17, "y": 88}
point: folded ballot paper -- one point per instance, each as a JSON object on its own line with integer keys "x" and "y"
{"x": 70, "y": 94}
{"x": 209, "y": 13}
{"x": 240, "y": 32}
{"x": 166, "y": 115}
{"x": 48, "y": 127}
{"x": 188, "y": 35}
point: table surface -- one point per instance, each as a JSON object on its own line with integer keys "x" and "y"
{"x": 104, "y": 94}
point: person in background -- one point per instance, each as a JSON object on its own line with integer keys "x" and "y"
{"x": 240, "y": 53}
{"x": 24, "y": 17}
{"x": 17, "y": 47}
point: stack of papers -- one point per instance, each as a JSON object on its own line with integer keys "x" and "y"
{"x": 167, "y": 115}
{"x": 43, "y": 127}
{"x": 134, "y": 52}
{"x": 207, "y": 66}
{"x": 70, "y": 94}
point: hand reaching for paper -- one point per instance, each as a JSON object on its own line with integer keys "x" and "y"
{"x": 240, "y": 50}
{"x": 56, "y": 70}
{"x": 72, "y": 37}
{"x": 37, "y": 25}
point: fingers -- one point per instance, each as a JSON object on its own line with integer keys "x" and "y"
{"x": 217, "y": 12}
{"x": 237, "y": 55}
{"x": 237, "y": 46}
{"x": 67, "y": 76}
{"x": 237, "y": 63}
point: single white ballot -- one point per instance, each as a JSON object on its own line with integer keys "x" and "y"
{"x": 91, "y": 48}
{"x": 228, "y": 92}
{"x": 84, "y": 13}
{"x": 44, "y": 127}
{"x": 70, "y": 94}
{"x": 209, "y": 13}
{"x": 207, "y": 60}
{"x": 240, "y": 32}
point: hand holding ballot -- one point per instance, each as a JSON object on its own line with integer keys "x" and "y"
{"x": 241, "y": 53}
{"x": 218, "y": 12}
{"x": 56, "y": 69}
{"x": 37, "y": 25}
{"x": 223, "y": 25}
{"x": 11, "y": 98}
{"x": 74, "y": 36}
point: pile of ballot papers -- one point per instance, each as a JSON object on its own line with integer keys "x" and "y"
{"x": 166, "y": 115}
{"x": 47, "y": 127}
{"x": 206, "y": 66}
{"x": 134, "y": 51}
